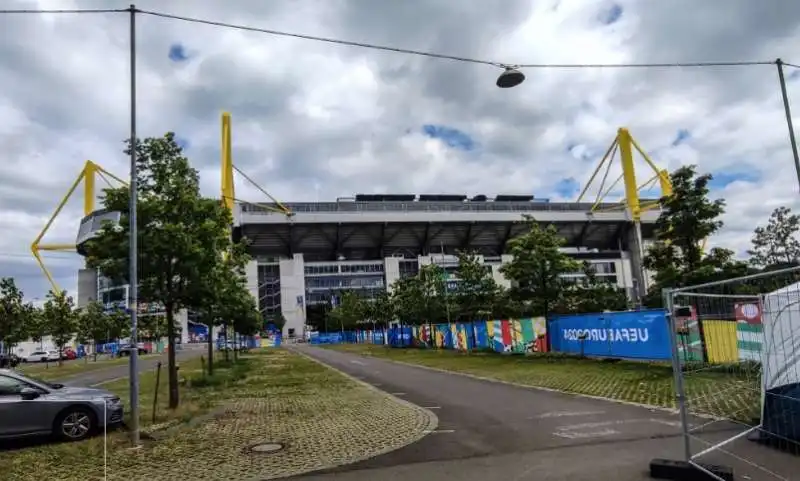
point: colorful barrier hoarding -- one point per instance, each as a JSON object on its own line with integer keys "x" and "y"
{"x": 627, "y": 335}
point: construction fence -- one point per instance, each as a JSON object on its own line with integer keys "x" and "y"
{"x": 749, "y": 328}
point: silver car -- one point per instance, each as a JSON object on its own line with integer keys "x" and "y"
{"x": 30, "y": 407}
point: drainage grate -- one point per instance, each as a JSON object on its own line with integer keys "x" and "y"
{"x": 266, "y": 448}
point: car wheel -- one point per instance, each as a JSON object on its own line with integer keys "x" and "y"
{"x": 74, "y": 424}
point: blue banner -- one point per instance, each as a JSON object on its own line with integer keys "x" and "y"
{"x": 626, "y": 335}
{"x": 401, "y": 336}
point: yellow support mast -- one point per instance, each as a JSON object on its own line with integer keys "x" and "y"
{"x": 626, "y": 144}
{"x": 227, "y": 187}
{"x": 87, "y": 176}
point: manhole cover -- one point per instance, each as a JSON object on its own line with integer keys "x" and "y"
{"x": 266, "y": 448}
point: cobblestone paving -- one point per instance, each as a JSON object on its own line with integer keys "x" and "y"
{"x": 322, "y": 419}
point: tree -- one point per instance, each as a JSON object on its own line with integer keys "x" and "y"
{"x": 777, "y": 244}
{"x": 35, "y": 326}
{"x": 93, "y": 325}
{"x": 61, "y": 319}
{"x": 119, "y": 324}
{"x": 537, "y": 268}
{"x": 408, "y": 298}
{"x": 591, "y": 294}
{"x": 687, "y": 219}
{"x": 476, "y": 291}
{"x": 352, "y": 309}
{"x": 224, "y": 298}
{"x": 181, "y": 235}
{"x": 436, "y": 302}
{"x": 12, "y": 313}
{"x": 380, "y": 310}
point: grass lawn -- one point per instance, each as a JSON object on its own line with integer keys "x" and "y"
{"x": 272, "y": 394}
{"x": 720, "y": 393}
{"x": 51, "y": 371}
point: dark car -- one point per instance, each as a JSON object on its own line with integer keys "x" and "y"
{"x": 125, "y": 350}
{"x": 9, "y": 361}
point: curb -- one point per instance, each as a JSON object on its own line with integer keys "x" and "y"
{"x": 432, "y": 419}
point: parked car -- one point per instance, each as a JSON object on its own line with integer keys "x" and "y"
{"x": 42, "y": 356}
{"x": 69, "y": 354}
{"x": 125, "y": 350}
{"x": 9, "y": 361}
{"x": 30, "y": 407}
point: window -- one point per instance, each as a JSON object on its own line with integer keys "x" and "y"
{"x": 291, "y": 332}
{"x": 10, "y": 386}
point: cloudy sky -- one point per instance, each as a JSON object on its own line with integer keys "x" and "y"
{"x": 316, "y": 121}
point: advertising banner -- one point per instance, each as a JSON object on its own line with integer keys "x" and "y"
{"x": 626, "y": 335}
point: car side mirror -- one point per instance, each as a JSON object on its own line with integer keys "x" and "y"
{"x": 29, "y": 393}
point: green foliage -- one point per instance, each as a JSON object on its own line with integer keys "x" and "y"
{"x": 61, "y": 318}
{"x": 592, "y": 295}
{"x": 688, "y": 218}
{"x": 777, "y": 244}
{"x": 351, "y": 311}
{"x": 34, "y": 325}
{"x": 13, "y": 313}
{"x": 407, "y": 296}
{"x": 92, "y": 324}
{"x": 476, "y": 292}
{"x": 180, "y": 235}
{"x": 537, "y": 268}
{"x": 380, "y": 310}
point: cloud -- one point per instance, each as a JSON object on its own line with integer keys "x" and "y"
{"x": 316, "y": 121}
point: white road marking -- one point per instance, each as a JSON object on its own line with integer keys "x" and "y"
{"x": 586, "y": 434}
{"x": 108, "y": 381}
{"x": 603, "y": 428}
{"x": 358, "y": 362}
{"x": 398, "y": 394}
{"x": 674, "y": 424}
{"x": 561, "y": 414}
{"x": 440, "y": 431}
{"x": 432, "y": 407}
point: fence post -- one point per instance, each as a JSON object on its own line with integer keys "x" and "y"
{"x": 155, "y": 395}
{"x": 680, "y": 394}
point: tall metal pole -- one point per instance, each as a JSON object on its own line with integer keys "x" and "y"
{"x": 134, "y": 274}
{"x": 788, "y": 112}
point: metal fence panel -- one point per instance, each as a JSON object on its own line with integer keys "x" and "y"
{"x": 736, "y": 360}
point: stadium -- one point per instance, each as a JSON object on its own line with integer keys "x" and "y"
{"x": 305, "y": 253}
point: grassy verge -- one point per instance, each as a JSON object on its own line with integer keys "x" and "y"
{"x": 199, "y": 394}
{"x": 322, "y": 418}
{"x": 720, "y": 392}
{"x": 51, "y": 371}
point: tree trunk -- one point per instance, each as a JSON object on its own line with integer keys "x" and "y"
{"x": 225, "y": 330}
{"x": 174, "y": 398}
{"x": 210, "y": 343}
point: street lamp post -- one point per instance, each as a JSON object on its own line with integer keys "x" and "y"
{"x": 788, "y": 111}
{"x": 133, "y": 275}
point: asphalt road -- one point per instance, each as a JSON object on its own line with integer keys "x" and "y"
{"x": 120, "y": 371}
{"x": 491, "y": 431}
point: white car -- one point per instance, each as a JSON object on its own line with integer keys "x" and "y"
{"x": 42, "y": 356}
